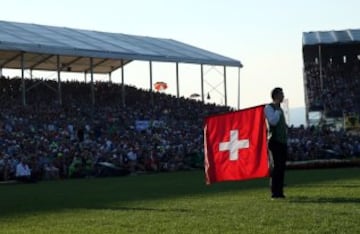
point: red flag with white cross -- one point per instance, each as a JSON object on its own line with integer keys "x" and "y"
{"x": 236, "y": 146}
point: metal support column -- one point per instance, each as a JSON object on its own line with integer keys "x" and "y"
{"x": 177, "y": 80}
{"x": 151, "y": 83}
{"x": 23, "y": 88}
{"x": 202, "y": 83}
{"x": 225, "y": 93}
{"x": 122, "y": 84}
{"x": 238, "y": 104}
{"x": 320, "y": 69}
{"x": 59, "y": 79}
{"x": 92, "y": 81}
{"x": 321, "y": 79}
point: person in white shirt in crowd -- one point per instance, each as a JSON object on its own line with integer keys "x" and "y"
{"x": 132, "y": 157}
{"x": 23, "y": 171}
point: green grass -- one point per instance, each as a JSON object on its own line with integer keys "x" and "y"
{"x": 318, "y": 201}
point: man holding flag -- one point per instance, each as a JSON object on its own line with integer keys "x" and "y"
{"x": 277, "y": 142}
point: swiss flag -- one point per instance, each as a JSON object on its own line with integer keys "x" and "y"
{"x": 236, "y": 145}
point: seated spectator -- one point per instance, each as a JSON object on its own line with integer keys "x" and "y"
{"x": 4, "y": 167}
{"x": 23, "y": 172}
{"x": 132, "y": 160}
{"x": 76, "y": 168}
{"x": 50, "y": 171}
{"x": 151, "y": 162}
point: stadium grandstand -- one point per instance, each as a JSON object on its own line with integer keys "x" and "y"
{"x": 332, "y": 78}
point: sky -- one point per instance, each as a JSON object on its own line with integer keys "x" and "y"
{"x": 266, "y": 36}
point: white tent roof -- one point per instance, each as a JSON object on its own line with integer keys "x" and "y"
{"x": 42, "y": 44}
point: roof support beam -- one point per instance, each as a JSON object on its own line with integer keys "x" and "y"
{"x": 97, "y": 64}
{"x": 214, "y": 87}
{"x": 71, "y": 62}
{"x": 350, "y": 35}
{"x": 333, "y": 35}
{"x": 11, "y": 59}
{"x": 40, "y": 62}
{"x": 115, "y": 67}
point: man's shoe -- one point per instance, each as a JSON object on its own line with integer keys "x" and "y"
{"x": 281, "y": 196}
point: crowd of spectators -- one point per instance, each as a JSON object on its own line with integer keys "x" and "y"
{"x": 337, "y": 91}
{"x": 78, "y": 139}
{"x": 336, "y": 94}
{"x": 153, "y": 132}
{"x": 322, "y": 143}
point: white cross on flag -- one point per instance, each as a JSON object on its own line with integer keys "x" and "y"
{"x": 236, "y": 145}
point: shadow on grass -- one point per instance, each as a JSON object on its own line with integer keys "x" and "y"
{"x": 148, "y": 209}
{"x": 307, "y": 199}
{"x": 312, "y": 176}
{"x": 121, "y": 193}
{"x": 345, "y": 186}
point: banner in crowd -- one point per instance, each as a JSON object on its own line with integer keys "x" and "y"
{"x": 236, "y": 146}
{"x": 141, "y": 125}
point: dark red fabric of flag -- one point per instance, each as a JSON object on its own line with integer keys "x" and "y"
{"x": 236, "y": 146}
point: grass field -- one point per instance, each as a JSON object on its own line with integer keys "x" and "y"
{"x": 318, "y": 201}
